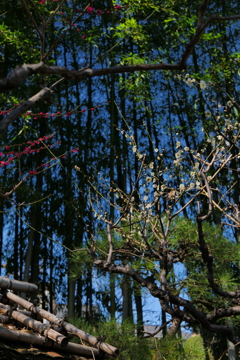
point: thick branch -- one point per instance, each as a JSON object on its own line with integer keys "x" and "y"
{"x": 189, "y": 314}
{"x": 22, "y": 72}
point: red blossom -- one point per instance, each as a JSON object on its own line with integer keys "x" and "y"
{"x": 90, "y": 10}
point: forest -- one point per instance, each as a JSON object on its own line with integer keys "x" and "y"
{"x": 119, "y": 168}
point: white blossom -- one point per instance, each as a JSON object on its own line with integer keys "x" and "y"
{"x": 208, "y": 113}
{"x": 203, "y": 84}
{"x": 182, "y": 187}
{"x": 229, "y": 103}
{"x": 177, "y": 162}
{"x": 189, "y": 82}
{"x": 178, "y": 154}
{"x": 178, "y": 144}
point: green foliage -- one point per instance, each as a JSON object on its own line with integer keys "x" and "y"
{"x": 168, "y": 348}
{"x": 132, "y": 29}
{"x": 194, "y": 349}
{"x": 121, "y": 336}
{"x": 226, "y": 263}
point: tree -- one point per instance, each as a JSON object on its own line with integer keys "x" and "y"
{"x": 143, "y": 238}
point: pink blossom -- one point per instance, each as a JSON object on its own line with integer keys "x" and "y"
{"x": 90, "y": 10}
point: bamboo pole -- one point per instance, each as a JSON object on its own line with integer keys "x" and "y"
{"x": 90, "y": 339}
{"x": 37, "y": 340}
{"x": 38, "y": 326}
{"x": 17, "y": 285}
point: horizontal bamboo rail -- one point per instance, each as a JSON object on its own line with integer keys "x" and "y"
{"x": 37, "y": 326}
{"x": 90, "y": 339}
{"x": 37, "y": 340}
{"x": 16, "y": 285}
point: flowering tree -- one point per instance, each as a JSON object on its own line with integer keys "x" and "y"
{"x": 151, "y": 233}
{"x": 143, "y": 230}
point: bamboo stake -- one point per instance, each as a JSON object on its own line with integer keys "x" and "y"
{"x": 90, "y": 339}
{"x": 38, "y": 326}
{"x": 37, "y": 340}
{"x": 17, "y": 285}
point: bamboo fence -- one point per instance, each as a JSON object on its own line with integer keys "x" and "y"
{"x": 55, "y": 334}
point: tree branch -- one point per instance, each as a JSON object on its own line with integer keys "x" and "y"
{"x": 41, "y": 95}
{"x": 189, "y": 314}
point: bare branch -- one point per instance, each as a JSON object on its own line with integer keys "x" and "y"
{"x": 32, "y": 19}
{"x": 200, "y": 31}
{"x": 41, "y": 95}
